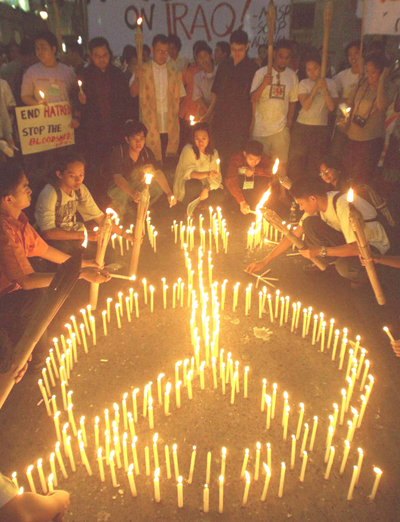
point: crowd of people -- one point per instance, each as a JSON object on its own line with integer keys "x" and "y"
{"x": 209, "y": 129}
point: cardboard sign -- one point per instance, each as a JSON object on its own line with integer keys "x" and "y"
{"x": 44, "y": 127}
{"x": 381, "y": 16}
{"x": 191, "y": 20}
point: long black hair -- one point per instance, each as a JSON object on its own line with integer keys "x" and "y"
{"x": 202, "y": 126}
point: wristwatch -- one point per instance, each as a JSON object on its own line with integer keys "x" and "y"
{"x": 323, "y": 251}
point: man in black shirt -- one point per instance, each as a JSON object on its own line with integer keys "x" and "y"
{"x": 129, "y": 162}
{"x": 106, "y": 105}
{"x": 231, "y": 105}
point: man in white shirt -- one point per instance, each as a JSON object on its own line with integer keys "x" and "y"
{"x": 161, "y": 88}
{"x": 274, "y": 100}
{"x": 328, "y": 232}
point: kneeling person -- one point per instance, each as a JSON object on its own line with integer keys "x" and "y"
{"x": 255, "y": 167}
{"x": 129, "y": 163}
{"x": 328, "y": 231}
{"x": 59, "y": 202}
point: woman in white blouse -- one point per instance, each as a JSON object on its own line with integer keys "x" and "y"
{"x": 310, "y": 133}
{"x": 198, "y": 171}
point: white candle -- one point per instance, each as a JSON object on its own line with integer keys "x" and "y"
{"x": 282, "y": 480}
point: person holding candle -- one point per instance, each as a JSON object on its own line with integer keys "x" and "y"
{"x": 105, "y": 105}
{"x": 129, "y": 163}
{"x": 203, "y": 80}
{"x": 369, "y": 101}
{"x": 249, "y": 173}
{"x": 160, "y": 89}
{"x": 19, "y": 284}
{"x": 30, "y": 506}
{"x": 274, "y": 100}
{"x": 310, "y": 132}
{"x": 328, "y": 231}
{"x": 222, "y": 52}
{"x": 60, "y": 200}
{"x": 197, "y": 173}
{"x": 332, "y": 172}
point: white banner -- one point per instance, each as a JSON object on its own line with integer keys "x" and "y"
{"x": 191, "y": 20}
{"x": 381, "y": 16}
{"x": 44, "y": 127}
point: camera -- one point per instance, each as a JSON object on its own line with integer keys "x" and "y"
{"x": 359, "y": 121}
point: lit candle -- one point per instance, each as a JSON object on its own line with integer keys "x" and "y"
{"x": 345, "y": 456}
{"x": 131, "y": 480}
{"x": 151, "y": 298}
{"x": 206, "y": 499}
{"x": 352, "y": 483}
{"x": 157, "y": 495}
{"x": 335, "y": 343}
{"x": 328, "y": 443}
{"x": 101, "y": 465}
{"x": 313, "y": 434}
{"x": 245, "y": 388}
{"x": 70, "y": 454}
{"x": 378, "y": 477}
{"x": 147, "y": 460}
{"x": 179, "y": 488}
{"x": 245, "y": 460}
{"x": 166, "y": 398}
{"x": 274, "y": 388}
{"x": 175, "y": 460}
{"x": 282, "y": 480}
{"x": 135, "y": 456}
{"x": 266, "y": 483}
{"x": 293, "y": 452}
{"x": 84, "y": 458}
{"x": 221, "y": 495}
{"x": 314, "y": 329}
{"x": 246, "y": 489}
{"x": 151, "y": 416}
{"x": 60, "y": 460}
{"x": 330, "y": 462}
{"x": 343, "y": 408}
{"x": 303, "y": 466}
{"x": 286, "y": 422}
{"x": 305, "y": 437}
{"x": 41, "y": 476}
{"x": 300, "y": 422}
{"x": 192, "y": 462}
{"x": 359, "y": 463}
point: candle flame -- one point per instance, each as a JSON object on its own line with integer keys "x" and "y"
{"x": 260, "y": 205}
{"x": 168, "y": 388}
{"x": 350, "y": 196}
{"x": 155, "y": 438}
{"x": 378, "y": 471}
{"x": 85, "y": 241}
{"x": 192, "y": 120}
{"x": 139, "y": 21}
{"x": 111, "y": 211}
{"x": 221, "y": 478}
{"x": 247, "y": 474}
{"x": 80, "y": 83}
{"x": 157, "y": 473}
{"x": 275, "y": 167}
{"x": 179, "y": 480}
{"x": 147, "y": 178}
{"x": 41, "y": 94}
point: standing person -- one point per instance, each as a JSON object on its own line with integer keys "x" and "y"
{"x": 197, "y": 173}
{"x": 106, "y": 106}
{"x": 175, "y": 58}
{"x": 7, "y": 107}
{"x": 345, "y": 81}
{"x": 262, "y": 53}
{"x": 13, "y": 72}
{"x": 129, "y": 162}
{"x": 310, "y": 133}
{"x": 159, "y": 86}
{"x": 366, "y": 133}
{"x": 203, "y": 80}
{"x": 57, "y": 82}
{"x": 231, "y": 105}
{"x": 274, "y": 98}
{"x": 222, "y": 51}
{"x": 74, "y": 58}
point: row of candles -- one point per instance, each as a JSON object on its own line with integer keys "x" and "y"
{"x": 117, "y": 241}
{"x": 197, "y": 367}
{"x": 217, "y": 229}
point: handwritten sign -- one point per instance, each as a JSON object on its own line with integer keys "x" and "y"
{"x": 191, "y": 20}
{"x": 44, "y": 127}
{"x": 381, "y": 16}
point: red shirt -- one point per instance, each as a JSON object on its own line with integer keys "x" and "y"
{"x": 18, "y": 241}
{"x": 238, "y": 160}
